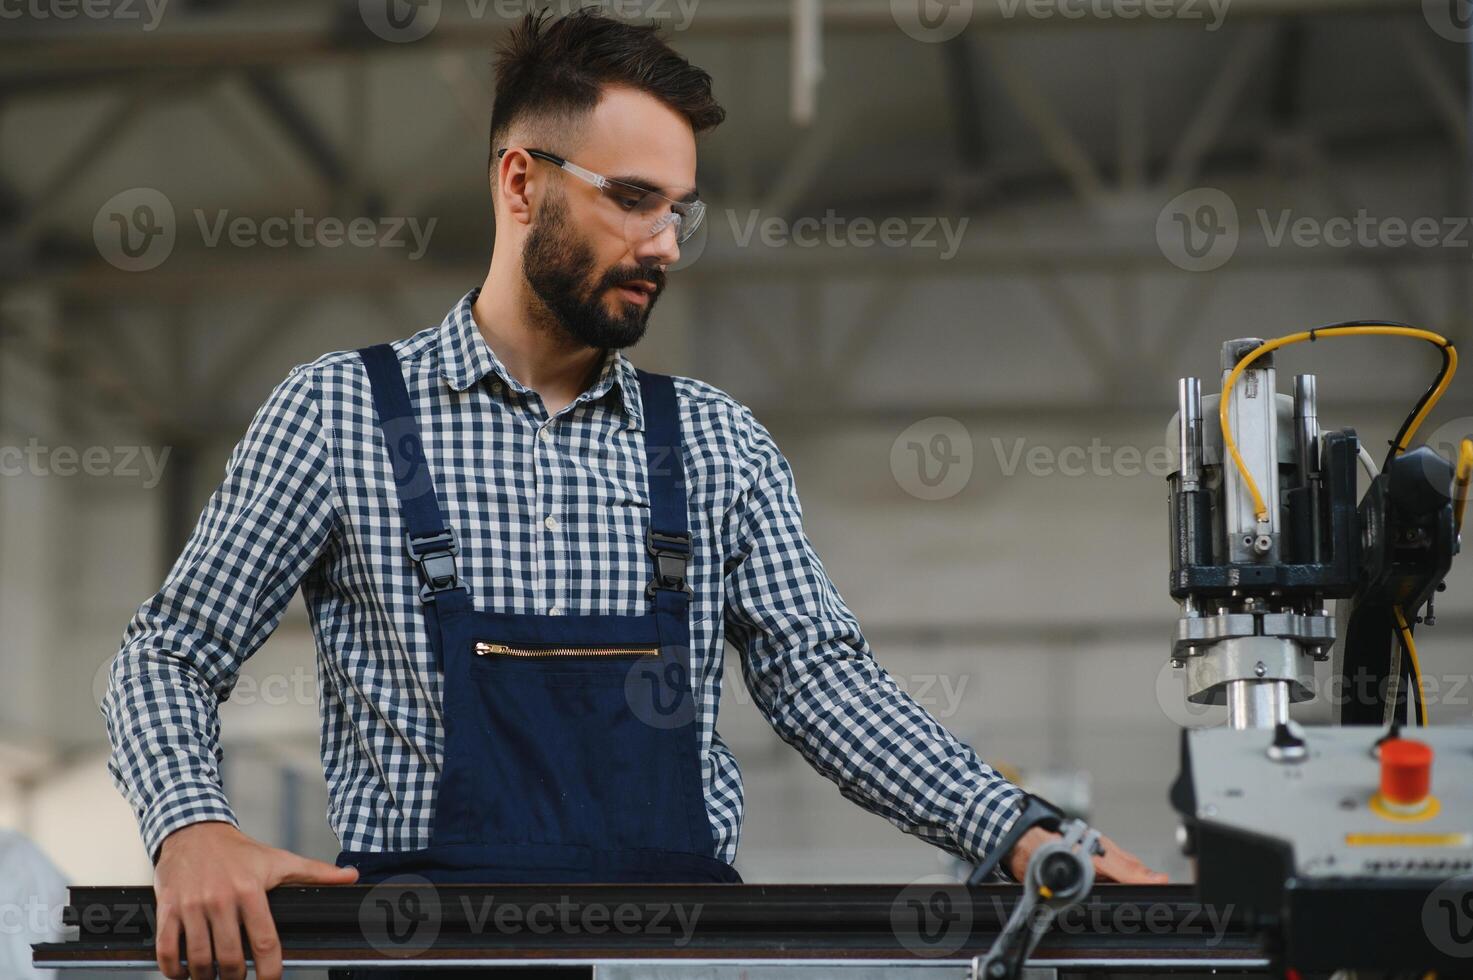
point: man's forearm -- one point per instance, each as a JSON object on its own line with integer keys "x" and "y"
{"x": 163, "y": 724}
{"x": 852, "y": 722}
{"x": 816, "y": 681}
{"x": 263, "y": 527}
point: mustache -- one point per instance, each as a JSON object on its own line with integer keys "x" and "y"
{"x": 617, "y": 277}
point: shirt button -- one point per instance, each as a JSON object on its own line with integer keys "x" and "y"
{"x": 550, "y": 522}
{"x": 555, "y": 610}
{"x": 545, "y": 435}
{"x": 496, "y": 386}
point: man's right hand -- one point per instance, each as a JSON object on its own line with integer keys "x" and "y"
{"x": 211, "y": 879}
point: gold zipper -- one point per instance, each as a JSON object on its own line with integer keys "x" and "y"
{"x": 500, "y": 649}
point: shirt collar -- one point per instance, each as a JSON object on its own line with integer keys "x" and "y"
{"x": 466, "y": 358}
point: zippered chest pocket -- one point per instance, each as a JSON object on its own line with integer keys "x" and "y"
{"x": 487, "y": 648}
{"x": 603, "y": 664}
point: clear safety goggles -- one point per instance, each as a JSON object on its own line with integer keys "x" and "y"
{"x": 649, "y": 212}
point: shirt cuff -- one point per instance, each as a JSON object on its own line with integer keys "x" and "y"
{"x": 988, "y": 817}
{"x": 186, "y": 803}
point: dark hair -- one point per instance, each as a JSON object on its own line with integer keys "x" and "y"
{"x": 555, "y": 68}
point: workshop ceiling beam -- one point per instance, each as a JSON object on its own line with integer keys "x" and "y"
{"x": 1286, "y": 79}
{"x": 296, "y": 123}
{"x": 1067, "y": 153}
{"x": 1216, "y": 106}
{"x": 964, "y": 103}
{"x": 1442, "y": 90}
{"x": 302, "y": 35}
{"x": 86, "y": 155}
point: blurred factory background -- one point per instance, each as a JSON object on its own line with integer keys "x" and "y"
{"x": 957, "y": 256}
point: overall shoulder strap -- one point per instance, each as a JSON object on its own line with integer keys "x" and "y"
{"x": 668, "y": 537}
{"x": 428, "y": 537}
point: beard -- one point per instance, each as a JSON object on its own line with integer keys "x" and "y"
{"x": 559, "y": 266}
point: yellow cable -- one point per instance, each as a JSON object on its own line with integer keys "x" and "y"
{"x": 1406, "y": 638}
{"x": 1461, "y": 478}
{"x": 1260, "y": 508}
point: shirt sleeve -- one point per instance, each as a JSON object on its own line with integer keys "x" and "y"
{"x": 813, "y": 676}
{"x": 262, "y": 529}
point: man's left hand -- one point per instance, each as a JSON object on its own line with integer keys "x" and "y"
{"x": 1116, "y": 864}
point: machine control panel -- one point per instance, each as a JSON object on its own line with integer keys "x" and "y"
{"x": 1350, "y": 801}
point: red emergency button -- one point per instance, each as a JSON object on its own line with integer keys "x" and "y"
{"x": 1406, "y": 777}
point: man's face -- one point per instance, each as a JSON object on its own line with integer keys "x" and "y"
{"x": 591, "y": 261}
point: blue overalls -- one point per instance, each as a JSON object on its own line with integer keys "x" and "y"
{"x": 570, "y": 746}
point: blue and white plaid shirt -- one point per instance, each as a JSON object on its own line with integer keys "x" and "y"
{"x": 550, "y": 513}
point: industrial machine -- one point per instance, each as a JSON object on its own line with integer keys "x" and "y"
{"x": 1351, "y": 845}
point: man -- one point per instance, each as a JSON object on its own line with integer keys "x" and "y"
{"x": 522, "y": 559}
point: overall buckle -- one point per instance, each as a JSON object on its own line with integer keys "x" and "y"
{"x": 671, "y": 552}
{"x": 434, "y": 556}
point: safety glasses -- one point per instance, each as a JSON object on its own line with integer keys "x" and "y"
{"x": 650, "y": 212}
